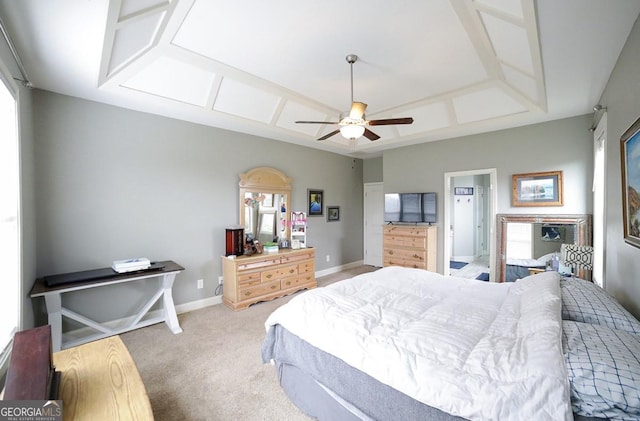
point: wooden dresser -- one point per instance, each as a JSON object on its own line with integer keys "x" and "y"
{"x": 263, "y": 277}
{"x": 410, "y": 246}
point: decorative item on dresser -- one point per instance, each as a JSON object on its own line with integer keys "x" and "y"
{"x": 298, "y": 229}
{"x": 250, "y": 279}
{"x": 410, "y": 246}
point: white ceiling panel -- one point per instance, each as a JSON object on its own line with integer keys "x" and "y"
{"x": 426, "y": 118}
{"x": 510, "y": 42}
{"x": 133, "y": 38}
{"x": 293, "y": 111}
{"x": 174, "y": 80}
{"x": 245, "y": 101}
{"x": 485, "y": 104}
{"x": 522, "y": 82}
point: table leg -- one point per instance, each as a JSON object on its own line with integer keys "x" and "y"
{"x": 170, "y": 316}
{"x": 54, "y": 311}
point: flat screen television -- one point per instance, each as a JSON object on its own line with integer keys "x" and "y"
{"x": 410, "y": 207}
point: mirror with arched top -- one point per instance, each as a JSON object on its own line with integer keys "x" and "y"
{"x": 265, "y": 193}
{"x": 526, "y": 242}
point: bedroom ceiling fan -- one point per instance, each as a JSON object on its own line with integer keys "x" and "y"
{"x": 353, "y": 124}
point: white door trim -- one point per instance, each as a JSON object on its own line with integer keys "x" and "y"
{"x": 492, "y": 196}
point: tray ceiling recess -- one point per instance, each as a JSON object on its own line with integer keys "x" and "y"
{"x": 172, "y": 51}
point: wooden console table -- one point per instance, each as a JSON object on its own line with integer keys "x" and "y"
{"x": 53, "y": 300}
{"x": 100, "y": 381}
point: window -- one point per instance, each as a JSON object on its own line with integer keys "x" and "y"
{"x": 599, "y": 194}
{"x": 519, "y": 240}
{"x": 10, "y": 281}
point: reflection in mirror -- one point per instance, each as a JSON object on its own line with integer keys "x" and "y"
{"x": 530, "y": 243}
{"x": 264, "y": 203}
{"x": 265, "y": 216}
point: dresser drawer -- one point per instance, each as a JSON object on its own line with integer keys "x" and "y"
{"x": 410, "y": 255}
{"x": 394, "y": 240}
{"x": 306, "y": 267}
{"x": 420, "y": 242}
{"x": 289, "y": 270}
{"x": 249, "y": 278}
{"x": 394, "y": 261}
{"x": 256, "y": 264}
{"x": 298, "y": 256}
{"x": 292, "y": 281}
{"x": 307, "y": 278}
{"x": 258, "y": 290}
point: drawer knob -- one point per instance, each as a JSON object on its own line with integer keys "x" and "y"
{"x": 269, "y": 276}
{"x": 247, "y": 293}
{"x": 291, "y": 270}
{"x": 273, "y": 287}
{"x": 288, "y": 283}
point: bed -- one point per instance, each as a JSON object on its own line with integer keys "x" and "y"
{"x": 519, "y": 268}
{"x": 404, "y": 344}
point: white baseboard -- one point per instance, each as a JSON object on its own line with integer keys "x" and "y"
{"x": 340, "y": 268}
{"x": 198, "y": 304}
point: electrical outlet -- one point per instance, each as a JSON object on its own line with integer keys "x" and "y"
{"x": 220, "y": 280}
{"x": 200, "y": 283}
{"x": 328, "y": 258}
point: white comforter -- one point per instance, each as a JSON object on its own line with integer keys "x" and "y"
{"x": 478, "y": 350}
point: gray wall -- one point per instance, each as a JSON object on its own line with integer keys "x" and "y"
{"x": 622, "y": 99}
{"x": 372, "y": 171}
{"x": 113, "y": 183}
{"x": 557, "y": 145}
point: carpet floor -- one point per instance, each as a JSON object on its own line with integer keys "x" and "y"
{"x": 213, "y": 369}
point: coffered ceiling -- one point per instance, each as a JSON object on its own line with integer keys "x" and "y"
{"x": 456, "y": 66}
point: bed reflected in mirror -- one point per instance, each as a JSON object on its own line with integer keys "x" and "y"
{"x": 528, "y": 244}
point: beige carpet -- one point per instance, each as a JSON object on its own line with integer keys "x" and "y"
{"x": 213, "y": 370}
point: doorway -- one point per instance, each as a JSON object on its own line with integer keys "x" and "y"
{"x": 470, "y": 203}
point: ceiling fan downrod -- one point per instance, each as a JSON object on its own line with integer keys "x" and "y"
{"x": 351, "y": 58}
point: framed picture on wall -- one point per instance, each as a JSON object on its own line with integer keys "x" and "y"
{"x": 630, "y": 157}
{"x": 537, "y": 189}
{"x": 315, "y": 200}
{"x": 463, "y": 191}
{"x": 333, "y": 213}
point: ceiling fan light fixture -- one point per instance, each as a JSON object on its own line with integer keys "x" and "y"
{"x": 352, "y": 131}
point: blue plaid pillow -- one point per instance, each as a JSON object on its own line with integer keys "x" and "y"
{"x": 603, "y": 365}
{"x": 583, "y": 301}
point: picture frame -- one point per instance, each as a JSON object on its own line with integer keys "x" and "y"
{"x": 555, "y": 233}
{"x": 537, "y": 189}
{"x": 463, "y": 191}
{"x": 315, "y": 202}
{"x": 333, "y": 213}
{"x": 629, "y": 150}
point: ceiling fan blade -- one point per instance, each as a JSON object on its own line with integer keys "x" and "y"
{"x": 388, "y": 121}
{"x": 357, "y": 110}
{"x": 328, "y": 135}
{"x": 317, "y": 122}
{"x": 370, "y": 135}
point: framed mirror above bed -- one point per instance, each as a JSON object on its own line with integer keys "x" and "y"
{"x": 528, "y": 243}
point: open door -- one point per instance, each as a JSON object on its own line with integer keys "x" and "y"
{"x": 473, "y": 232}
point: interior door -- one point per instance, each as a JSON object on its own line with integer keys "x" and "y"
{"x": 373, "y": 221}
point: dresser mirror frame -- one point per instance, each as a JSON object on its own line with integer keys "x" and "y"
{"x": 583, "y": 233}
{"x": 266, "y": 181}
